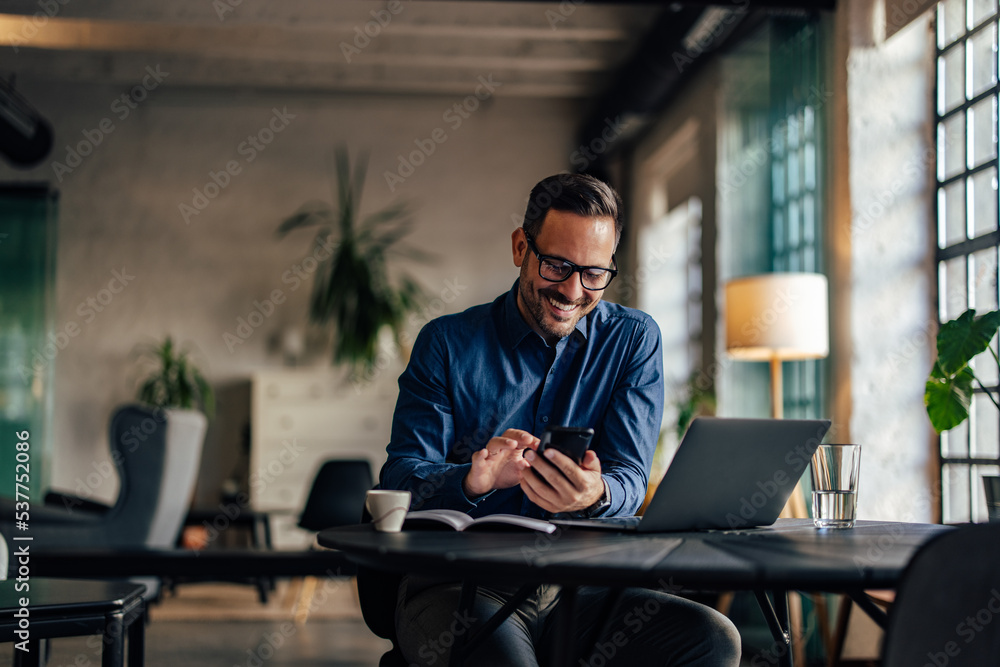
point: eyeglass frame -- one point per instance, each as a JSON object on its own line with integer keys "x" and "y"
{"x": 573, "y": 268}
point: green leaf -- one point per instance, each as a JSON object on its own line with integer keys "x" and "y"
{"x": 174, "y": 380}
{"x": 961, "y": 339}
{"x": 948, "y": 397}
{"x": 353, "y": 291}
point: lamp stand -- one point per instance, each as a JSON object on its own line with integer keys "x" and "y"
{"x": 777, "y": 391}
{"x": 796, "y": 506}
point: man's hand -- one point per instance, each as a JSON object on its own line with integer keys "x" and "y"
{"x": 567, "y": 487}
{"x": 499, "y": 464}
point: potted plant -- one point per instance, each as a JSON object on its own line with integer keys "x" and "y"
{"x": 173, "y": 380}
{"x": 949, "y": 389}
{"x": 353, "y": 290}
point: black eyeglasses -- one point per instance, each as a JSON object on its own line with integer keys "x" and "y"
{"x": 556, "y": 269}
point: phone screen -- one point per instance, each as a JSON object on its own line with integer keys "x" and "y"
{"x": 572, "y": 441}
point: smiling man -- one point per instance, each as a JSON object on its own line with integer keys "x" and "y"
{"x": 483, "y": 384}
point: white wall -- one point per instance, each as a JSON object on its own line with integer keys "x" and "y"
{"x": 119, "y": 211}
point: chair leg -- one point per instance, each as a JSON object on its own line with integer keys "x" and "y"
{"x": 796, "y": 627}
{"x": 724, "y": 603}
{"x": 264, "y": 586}
{"x": 840, "y": 632}
{"x": 820, "y": 601}
{"x": 305, "y": 600}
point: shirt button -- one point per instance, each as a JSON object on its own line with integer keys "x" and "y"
{"x": 545, "y": 420}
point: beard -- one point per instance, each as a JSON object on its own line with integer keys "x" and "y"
{"x": 539, "y": 309}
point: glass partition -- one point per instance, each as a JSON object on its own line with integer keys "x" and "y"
{"x": 27, "y": 344}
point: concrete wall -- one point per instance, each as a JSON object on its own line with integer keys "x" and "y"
{"x": 888, "y": 281}
{"x": 151, "y": 270}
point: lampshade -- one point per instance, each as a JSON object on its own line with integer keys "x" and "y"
{"x": 777, "y": 316}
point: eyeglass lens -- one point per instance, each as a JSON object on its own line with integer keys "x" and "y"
{"x": 557, "y": 271}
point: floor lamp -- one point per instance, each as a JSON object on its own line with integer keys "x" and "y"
{"x": 778, "y": 317}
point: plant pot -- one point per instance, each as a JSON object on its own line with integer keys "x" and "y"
{"x": 991, "y": 485}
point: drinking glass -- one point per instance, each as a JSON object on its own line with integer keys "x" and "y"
{"x": 835, "y": 470}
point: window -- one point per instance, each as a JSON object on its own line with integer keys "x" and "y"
{"x": 770, "y": 190}
{"x": 966, "y": 125}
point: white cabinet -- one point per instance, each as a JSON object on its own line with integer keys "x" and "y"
{"x": 300, "y": 418}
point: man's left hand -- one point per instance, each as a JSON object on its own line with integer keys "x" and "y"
{"x": 561, "y": 485}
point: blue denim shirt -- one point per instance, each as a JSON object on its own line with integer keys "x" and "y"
{"x": 475, "y": 374}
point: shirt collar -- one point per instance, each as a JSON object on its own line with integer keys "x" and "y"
{"x": 517, "y": 329}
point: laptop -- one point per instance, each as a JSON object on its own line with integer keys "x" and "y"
{"x": 727, "y": 474}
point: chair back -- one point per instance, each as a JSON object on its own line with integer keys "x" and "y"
{"x": 137, "y": 436}
{"x": 154, "y": 485}
{"x": 947, "y": 609}
{"x": 337, "y": 496}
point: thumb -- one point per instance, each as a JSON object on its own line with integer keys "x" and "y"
{"x": 591, "y": 462}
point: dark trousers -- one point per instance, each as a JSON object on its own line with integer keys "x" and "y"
{"x": 647, "y": 628}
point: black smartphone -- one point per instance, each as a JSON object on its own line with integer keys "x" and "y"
{"x": 572, "y": 441}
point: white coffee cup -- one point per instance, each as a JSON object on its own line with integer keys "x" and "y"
{"x": 388, "y": 509}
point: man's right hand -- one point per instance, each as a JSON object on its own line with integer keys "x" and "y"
{"x": 498, "y": 464}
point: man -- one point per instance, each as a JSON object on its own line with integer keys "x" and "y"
{"x": 479, "y": 388}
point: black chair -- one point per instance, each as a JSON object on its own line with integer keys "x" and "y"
{"x": 337, "y": 498}
{"x": 377, "y": 590}
{"x": 947, "y": 609}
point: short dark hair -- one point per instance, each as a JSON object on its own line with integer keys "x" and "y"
{"x": 574, "y": 193}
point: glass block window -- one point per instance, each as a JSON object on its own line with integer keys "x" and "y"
{"x": 968, "y": 237}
